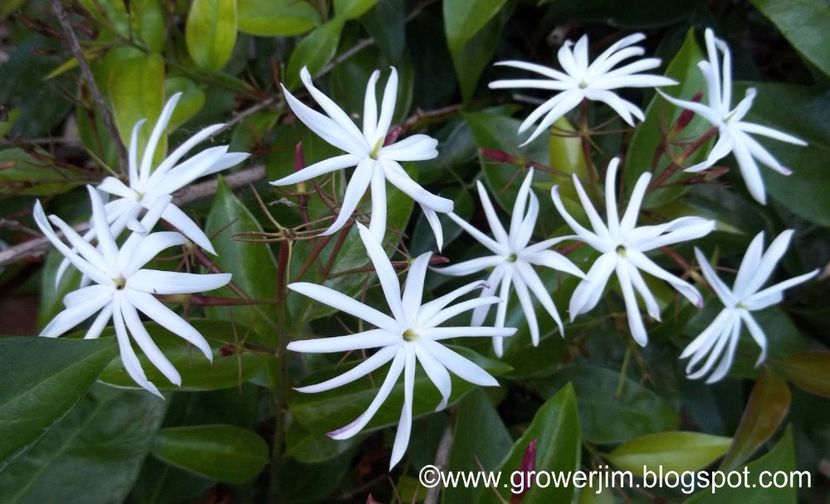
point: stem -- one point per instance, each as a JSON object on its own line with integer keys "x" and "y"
{"x": 585, "y": 137}
{"x": 623, "y": 371}
{"x": 83, "y": 64}
{"x": 279, "y": 383}
{"x": 442, "y": 455}
{"x": 677, "y": 163}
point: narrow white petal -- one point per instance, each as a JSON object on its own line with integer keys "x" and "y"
{"x": 720, "y": 288}
{"x": 527, "y": 308}
{"x": 480, "y": 237}
{"x": 320, "y": 168}
{"x": 355, "y": 190}
{"x": 720, "y": 150}
{"x": 550, "y": 85}
{"x": 370, "y": 107}
{"x": 149, "y": 248}
{"x": 167, "y": 318}
{"x": 133, "y": 153}
{"x": 396, "y": 176}
{"x": 377, "y": 222}
{"x": 533, "y": 67}
{"x": 171, "y": 282}
{"x": 326, "y": 128}
{"x": 749, "y": 266}
{"x": 435, "y": 225}
{"x": 685, "y": 230}
{"x": 147, "y": 345}
{"x": 74, "y": 315}
{"x": 703, "y": 341}
{"x": 178, "y": 219}
{"x": 332, "y": 109}
{"x": 750, "y": 173}
{"x": 766, "y": 265}
{"x": 171, "y": 160}
{"x": 128, "y": 356}
{"x": 461, "y": 366}
{"x": 586, "y": 295}
{"x": 642, "y": 289}
{"x": 437, "y": 374}
{"x": 635, "y": 321}
{"x": 387, "y": 106}
{"x": 442, "y": 333}
{"x": 344, "y": 303}
{"x": 766, "y": 131}
{"x": 758, "y": 152}
{"x": 413, "y": 290}
{"x": 534, "y": 283}
{"x": 728, "y": 355}
{"x": 97, "y": 326}
{"x": 405, "y": 423}
{"x": 490, "y": 213}
{"x": 587, "y": 236}
{"x": 472, "y": 266}
{"x": 761, "y": 299}
{"x": 520, "y": 205}
{"x": 373, "y": 338}
{"x": 639, "y": 260}
{"x": 632, "y": 211}
{"x": 757, "y": 334}
{"x": 553, "y": 260}
{"x": 355, "y": 426}
{"x": 155, "y": 136}
{"x": 700, "y": 109}
{"x": 414, "y": 148}
{"x": 85, "y": 294}
{"x": 112, "y": 185}
{"x": 492, "y": 284}
{"x": 428, "y": 310}
{"x": 596, "y": 221}
{"x": 525, "y": 231}
{"x": 457, "y": 309}
{"x": 372, "y": 363}
{"x": 386, "y": 273}
{"x": 569, "y": 100}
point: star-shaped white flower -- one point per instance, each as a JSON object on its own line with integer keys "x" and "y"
{"x": 583, "y": 80}
{"x": 623, "y": 246}
{"x": 147, "y": 185}
{"x": 376, "y": 163}
{"x": 121, "y": 287}
{"x": 411, "y": 334}
{"x": 733, "y": 132}
{"x": 513, "y": 261}
{"x": 720, "y": 338}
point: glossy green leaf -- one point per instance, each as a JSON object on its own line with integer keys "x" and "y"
{"x": 314, "y": 51}
{"x": 780, "y": 458}
{"x": 765, "y": 410}
{"x": 211, "y": 32}
{"x": 220, "y": 452}
{"x": 608, "y": 417}
{"x": 463, "y": 20}
{"x": 631, "y": 14}
{"x": 252, "y": 264}
{"x": 807, "y": 370}
{"x": 326, "y": 411}
{"x": 136, "y": 19}
{"x": 480, "y": 442}
{"x": 230, "y": 367}
{"x": 274, "y": 18}
{"x": 804, "y": 23}
{"x": 555, "y": 428}
{"x": 660, "y": 114}
{"x": 44, "y": 379}
{"x": 352, "y": 9}
{"x": 93, "y": 455}
{"x": 671, "y": 451}
{"x": 386, "y": 24}
{"x": 136, "y": 89}
{"x": 23, "y": 173}
{"x": 310, "y": 448}
{"x": 805, "y": 116}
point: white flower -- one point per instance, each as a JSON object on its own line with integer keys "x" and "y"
{"x": 122, "y": 287}
{"x": 512, "y": 261}
{"x": 745, "y": 297}
{"x": 581, "y": 80}
{"x": 376, "y": 162}
{"x": 623, "y": 246}
{"x": 147, "y": 185}
{"x": 410, "y": 334}
{"x": 733, "y": 132}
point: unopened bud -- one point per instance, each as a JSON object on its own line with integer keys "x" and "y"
{"x": 499, "y": 156}
{"x": 299, "y": 158}
{"x": 393, "y": 135}
{"x": 687, "y": 115}
{"x": 436, "y": 259}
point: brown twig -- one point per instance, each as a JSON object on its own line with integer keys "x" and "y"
{"x": 34, "y": 248}
{"x": 86, "y": 72}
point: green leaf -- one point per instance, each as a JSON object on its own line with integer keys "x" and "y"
{"x": 671, "y": 451}
{"x": 252, "y": 264}
{"x": 314, "y": 51}
{"x": 211, "y": 32}
{"x": 480, "y": 442}
{"x": 93, "y": 455}
{"x": 36, "y": 174}
{"x": 44, "y": 379}
{"x": 141, "y": 19}
{"x": 804, "y": 23}
{"x": 805, "y": 116}
{"x": 780, "y": 458}
{"x": 631, "y": 14}
{"x": 463, "y": 20}
{"x": 608, "y": 417}
{"x": 223, "y": 453}
{"x": 230, "y": 367}
{"x": 386, "y": 24}
{"x": 191, "y": 102}
{"x": 327, "y": 411}
{"x": 352, "y": 9}
{"x": 765, "y": 410}
{"x": 808, "y": 370}
{"x": 276, "y": 18}
{"x": 660, "y": 114}
{"x": 136, "y": 88}
{"x": 555, "y": 428}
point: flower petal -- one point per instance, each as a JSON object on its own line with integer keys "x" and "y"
{"x": 386, "y": 273}
{"x": 437, "y": 374}
{"x": 639, "y": 260}
{"x": 373, "y": 338}
{"x": 461, "y": 366}
{"x": 170, "y": 320}
{"x": 377, "y": 222}
{"x": 534, "y": 283}
{"x": 586, "y": 295}
{"x": 178, "y": 219}
{"x": 171, "y": 282}
{"x": 527, "y": 308}
{"x": 396, "y": 176}
{"x": 405, "y": 423}
{"x": 471, "y": 266}
{"x": 321, "y": 168}
{"x": 766, "y": 265}
{"x": 413, "y": 290}
{"x": 147, "y": 345}
{"x": 480, "y": 237}
{"x": 128, "y": 357}
{"x": 355, "y": 190}
{"x": 635, "y": 321}
{"x": 413, "y": 148}
{"x": 344, "y": 303}
{"x": 75, "y": 314}
{"x": 372, "y": 363}
{"x": 720, "y": 288}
